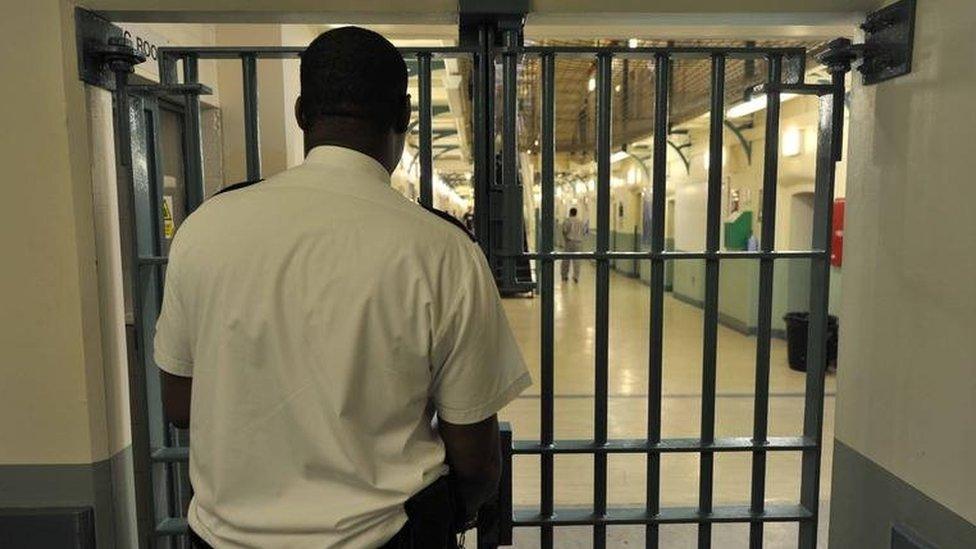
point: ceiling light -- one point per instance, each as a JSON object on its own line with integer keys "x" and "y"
{"x": 792, "y": 142}
{"x": 632, "y": 43}
{"x": 617, "y": 88}
{"x": 755, "y": 104}
{"x": 592, "y": 84}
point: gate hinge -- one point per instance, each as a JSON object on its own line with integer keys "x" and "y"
{"x": 103, "y": 50}
{"x": 887, "y": 49}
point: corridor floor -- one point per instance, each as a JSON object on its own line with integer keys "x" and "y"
{"x": 681, "y": 408}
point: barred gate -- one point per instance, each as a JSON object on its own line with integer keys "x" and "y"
{"x": 160, "y": 454}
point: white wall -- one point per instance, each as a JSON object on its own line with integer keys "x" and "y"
{"x": 906, "y": 395}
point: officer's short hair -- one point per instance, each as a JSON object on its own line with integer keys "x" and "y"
{"x": 572, "y": 212}
{"x": 353, "y": 72}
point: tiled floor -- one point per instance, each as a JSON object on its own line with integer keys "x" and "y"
{"x": 629, "y": 314}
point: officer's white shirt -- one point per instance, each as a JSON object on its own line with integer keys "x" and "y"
{"x": 324, "y": 318}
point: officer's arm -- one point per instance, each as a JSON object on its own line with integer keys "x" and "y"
{"x": 176, "y": 398}
{"x": 474, "y": 455}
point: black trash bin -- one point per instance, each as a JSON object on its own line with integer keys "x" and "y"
{"x": 796, "y": 339}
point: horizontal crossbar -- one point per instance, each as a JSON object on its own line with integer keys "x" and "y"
{"x": 289, "y": 52}
{"x": 574, "y": 516}
{"x": 674, "y": 51}
{"x": 666, "y": 256}
{"x": 673, "y": 256}
{"x": 674, "y": 445}
{"x": 798, "y": 89}
{"x": 171, "y": 454}
{"x": 172, "y": 526}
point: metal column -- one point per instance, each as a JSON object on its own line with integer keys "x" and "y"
{"x": 713, "y": 230}
{"x": 426, "y": 162}
{"x": 547, "y": 143}
{"x": 604, "y": 86}
{"x": 662, "y": 74}
{"x": 765, "y": 315}
{"x": 252, "y": 133}
{"x": 829, "y": 132}
{"x": 512, "y": 227}
{"x": 192, "y": 138}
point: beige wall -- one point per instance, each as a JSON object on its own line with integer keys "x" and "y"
{"x": 906, "y": 395}
{"x": 52, "y": 406}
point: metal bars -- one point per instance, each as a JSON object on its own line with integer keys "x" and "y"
{"x": 710, "y": 334}
{"x": 252, "y": 135}
{"x": 765, "y": 314}
{"x": 600, "y": 515}
{"x": 512, "y": 228}
{"x": 547, "y": 278}
{"x": 662, "y": 70}
{"x": 426, "y": 162}
{"x": 828, "y": 152}
{"x": 604, "y": 87}
{"x": 192, "y": 138}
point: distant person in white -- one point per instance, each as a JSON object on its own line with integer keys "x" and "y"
{"x": 338, "y": 352}
{"x": 574, "y": 231}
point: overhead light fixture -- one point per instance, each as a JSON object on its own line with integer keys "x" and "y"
{"x": 618, "y": 156}
{"x": 617, "y": 88}
{"x": 592, "y": 84}
{"x": 632, "y": 43}
{"x": 754, "y": 104}
{"x": 792, "y": 142}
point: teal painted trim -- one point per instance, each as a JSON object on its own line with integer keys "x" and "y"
{"x": 868, "y": 501}
{"x": 104, "y": 486}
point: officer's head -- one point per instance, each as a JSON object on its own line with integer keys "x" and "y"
{"x": 354, "y": 94}
{"x": 572, "y": 212}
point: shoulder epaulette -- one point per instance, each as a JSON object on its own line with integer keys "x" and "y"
{"x": 450, "y": 219}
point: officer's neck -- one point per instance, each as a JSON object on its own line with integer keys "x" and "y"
{"x": 355, "y": 134}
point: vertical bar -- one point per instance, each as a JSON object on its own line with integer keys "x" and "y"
{"x": 662, "y": 73}
{"x": 710, "y": 338}
{"x": 603, "y": 129}
{"x": 547, "y": 143}
{"x": 192, "y": 140}
{"x": 135, "y": 335}
{"x": 484, "y": 149}
{"x": 167, "y": 69}
{"x": 827, "y": 136}
{"x": 512, "y": 205}
{"x": 768, "y": 242}
{"x": 426, "y": 161}
{"x": 252, "y": 136}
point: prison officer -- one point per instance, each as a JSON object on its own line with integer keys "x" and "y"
{"x": 338, "y": 353}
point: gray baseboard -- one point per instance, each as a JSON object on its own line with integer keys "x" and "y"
{"x": 869, "y": 503}
{"x": 100, "y": 486}
{"x": 725, "y": 320}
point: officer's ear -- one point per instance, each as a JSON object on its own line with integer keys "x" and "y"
{"x": 403, "y": 118}
{"x": 300, "y": 114}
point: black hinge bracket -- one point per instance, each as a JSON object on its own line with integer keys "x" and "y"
{"x": 102, "y": 49}
{"x": 886, "y": 53}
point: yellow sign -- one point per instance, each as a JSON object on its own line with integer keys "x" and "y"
{"x": 169, "y": 228}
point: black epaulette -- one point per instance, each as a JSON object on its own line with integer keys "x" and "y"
{"x": 237, "y": 186}
{"x": 450, "y": 219}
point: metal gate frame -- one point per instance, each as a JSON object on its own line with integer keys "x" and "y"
{"x": 785, "y": 74}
